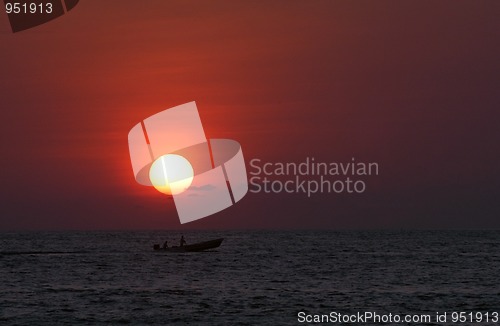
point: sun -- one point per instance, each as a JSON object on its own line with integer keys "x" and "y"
{"x": 171, "y": 174}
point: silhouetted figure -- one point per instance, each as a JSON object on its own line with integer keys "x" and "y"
{"x": 165, "y": 245}
{"x": 183, "y": 242}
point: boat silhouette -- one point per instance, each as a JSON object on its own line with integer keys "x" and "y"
{"x": 195, "y": 247}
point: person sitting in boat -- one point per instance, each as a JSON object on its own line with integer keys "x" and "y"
{"x": 165, "y": 245}
{"x": 183, "y": 242}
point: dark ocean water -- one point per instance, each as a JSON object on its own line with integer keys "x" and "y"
{"x": 254, "y": 278}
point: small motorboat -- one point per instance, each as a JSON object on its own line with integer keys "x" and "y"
{"x": 200, "y": 246}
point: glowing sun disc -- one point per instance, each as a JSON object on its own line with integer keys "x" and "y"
{"x": 171, "y": 174}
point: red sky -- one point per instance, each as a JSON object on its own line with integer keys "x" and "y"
{"x": 413, "y": 86}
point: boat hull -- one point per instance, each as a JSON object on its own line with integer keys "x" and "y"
{"x": 195, "y": 247}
